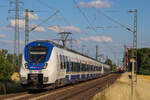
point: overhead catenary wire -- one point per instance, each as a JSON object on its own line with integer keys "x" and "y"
{"x": 113, "y": 20}
{"x": 52, "y": 8}
{"x": 66, "y": 21}
{"x": 84, "y": 15}
{"x": 44, "y": 21}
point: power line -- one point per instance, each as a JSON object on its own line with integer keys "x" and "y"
{"x": 84, "y": 15}
{"x": 49, "y": 7}
{"x": 113, "y": 20}
{"x": 40, "y": 2}
{"x": 44, "y": 21}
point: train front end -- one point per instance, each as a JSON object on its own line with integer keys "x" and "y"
{"x": 34, "y": 69}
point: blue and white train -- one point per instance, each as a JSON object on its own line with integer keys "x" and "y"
{"x": 45, "y": 63}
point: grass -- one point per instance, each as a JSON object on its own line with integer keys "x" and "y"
{"x": 121, "y": 90}
{"x": 144, "y": 76}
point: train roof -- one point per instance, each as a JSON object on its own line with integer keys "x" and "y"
{"x": 62, "y": 47}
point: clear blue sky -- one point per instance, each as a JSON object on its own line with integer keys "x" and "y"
{"x": 76, "y": 17}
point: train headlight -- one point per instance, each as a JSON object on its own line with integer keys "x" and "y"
{"x": 45, "y": 65}
{"x": 45, "y": 79}
{"x": 26, "y": 65}
{"x": 23, "y": 80}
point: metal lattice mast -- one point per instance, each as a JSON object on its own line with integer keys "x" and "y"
{"x": 135, "y": 38}
{"x": 26, "y": 27}
{"x": 16, "y": 34}
{"x": 16, "y": 28}
{"x": 134, "y": 53}
{"x": 135, "y": 30}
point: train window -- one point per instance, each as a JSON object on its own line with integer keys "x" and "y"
{"x": 64, "y": 61}
{"x": 90, "y": 67}
{"x": 78, "y": 64}
{"x": 61, "y": 62}
{"x": 70, "y": 65}
{"x": 99, "y": 68}
{"x": 67, "y": 61}
{"x": 82, "y": 67}
{"x": 73, "y": 66}
{"x": 86, "y": 67}
{"x": 93, "y": 68}
{"x": 77, "y": 67}
{"x": 37, "y": 54}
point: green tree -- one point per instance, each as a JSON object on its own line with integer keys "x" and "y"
{"x": 143, "y": 60}
{"x": 109, "y": 62}
{"x": 10, "y": 58}
{"x": 6, "y": 69}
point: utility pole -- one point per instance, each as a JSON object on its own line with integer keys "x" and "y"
{"x": 134, "y": 52}
{"x": 17, "y": 40}
{"x": 97, "y": 52}
{"x": 132, "y": 60}
{"x": 135, "y": 39}
{"x": 26, "y": 27}
{"x": 16, "y": 33}
{"x": 135, "y": 29}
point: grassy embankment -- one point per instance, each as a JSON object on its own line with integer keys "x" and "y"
{"x": 121, "y": 90}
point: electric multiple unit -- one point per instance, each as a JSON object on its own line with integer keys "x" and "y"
{"x": 45, "y": 63}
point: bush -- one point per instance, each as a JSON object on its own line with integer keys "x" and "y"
{"x": 10, "y": 87}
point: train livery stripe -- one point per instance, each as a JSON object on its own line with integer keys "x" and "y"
{"x": 80, "y": 77}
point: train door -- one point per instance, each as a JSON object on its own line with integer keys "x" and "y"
{"x": 62, "y": 67}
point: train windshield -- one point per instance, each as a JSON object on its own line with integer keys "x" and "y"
{"x": 37, "y": 54}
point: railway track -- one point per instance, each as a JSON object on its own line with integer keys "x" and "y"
{"x": 82, "y": 91}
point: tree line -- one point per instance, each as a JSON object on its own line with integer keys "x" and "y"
{"x": 113, "y": 67}
{"x": 143, "y": 60}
